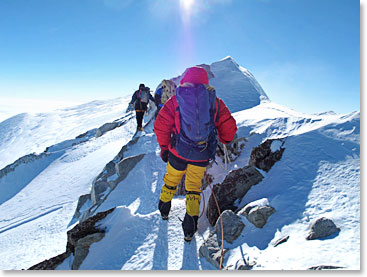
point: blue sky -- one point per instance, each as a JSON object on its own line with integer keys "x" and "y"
{"x": 304, "y": 53}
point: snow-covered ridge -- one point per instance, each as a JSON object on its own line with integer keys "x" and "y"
{"x": 234, "y": 84}
{"x": 31, "y": 133}
{"x": 318, "y": 175}
{"x": 279, "y": 122}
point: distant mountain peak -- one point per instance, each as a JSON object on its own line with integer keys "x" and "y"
{"x": 229, "y": 58}
{"x": 234, "y": 84}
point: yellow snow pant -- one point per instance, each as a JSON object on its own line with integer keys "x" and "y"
{"x": 194, "y": 175}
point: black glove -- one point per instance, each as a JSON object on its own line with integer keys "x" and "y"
{"x": 164, "y": 155}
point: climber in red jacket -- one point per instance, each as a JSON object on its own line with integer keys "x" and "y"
{"x": 187, "y": 128}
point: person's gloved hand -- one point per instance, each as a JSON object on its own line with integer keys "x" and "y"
{"x": 130, "y": 107}
{"x": 164, "y": 155}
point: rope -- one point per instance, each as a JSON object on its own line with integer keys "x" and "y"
{"x": 225, "y": 158}
{"x": 221, "y": 226}
{"x": 202, "y": 212}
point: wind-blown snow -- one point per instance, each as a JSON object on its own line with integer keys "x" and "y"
{"x": 318, "y": 175}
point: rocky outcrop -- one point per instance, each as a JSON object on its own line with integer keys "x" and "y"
{"x": 232, "y": 226}
{"x": 83, "y": 199}
{"x": 232, "y": 150}
{"x": 126, "y": 165}
{"x": 79, "y": 240}
{"x": 245, "y": 264}
{"x": 321, "y": 228}
{"x": 112, "y": 174}
{"x": 211, "y": 250}
{"x": 82, "y": 248}
{"x": 52, "y": 263}
{"x": 105, "y": 128}
{"x": 267, "y": 154}
{"x": 257, "y": 212}
{"x": 236, "y": 184}
{"x": 23, "y": 160}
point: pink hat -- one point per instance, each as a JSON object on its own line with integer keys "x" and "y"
{"x": 195, "y": 75}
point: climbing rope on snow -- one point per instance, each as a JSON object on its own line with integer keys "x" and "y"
{"x": 221, "y": 226}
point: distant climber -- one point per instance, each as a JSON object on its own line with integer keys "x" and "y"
{"x": 139, "y": 101}
{"x": 164, "y": 91}
{"x": 187, "y": 128}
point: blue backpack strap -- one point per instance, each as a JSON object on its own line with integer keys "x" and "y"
{"x": 218, "y": 109}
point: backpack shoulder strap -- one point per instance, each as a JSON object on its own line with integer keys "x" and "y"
{"x": 217, "y": 110}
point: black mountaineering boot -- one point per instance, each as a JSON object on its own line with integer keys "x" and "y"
{"x": 164, "y": 208}
{"x": 189, "y": 226}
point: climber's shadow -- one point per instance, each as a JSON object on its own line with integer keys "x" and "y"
{"x": 160, "y": 256}
{"x": 190, "y": 260}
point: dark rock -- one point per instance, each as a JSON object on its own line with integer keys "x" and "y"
{"x": 236, "y": 184}
{"x": 82, "y": 200}
{"x": 257, "y": 212}
{"x": 232, "y": 226}
{"x": 244, "y": 265}
{"x": 322, "y": 267}
{"x": 22, "y": 160}
{"x": 83, "y": 135}
{"x": 281, "y": 240}
{"x": 84, "y": 229}
{"x": 107, "y": 171}
{"x": 79, "y": 240}
{"x": 82, "y": 248}
{"x": 97, "y": 191}
{"x": 263, "y": 158}
{"x": 105, "y": 128}
{"x": 211, "y": 250}
{"x": 126, "y": 147}
{"x": 52, "y": 263}
{"x": 233, "y": 149}
{"x": 126, "y": 165}
{"x": 321, "y": 228}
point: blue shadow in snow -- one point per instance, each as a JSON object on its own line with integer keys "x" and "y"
{"x": 23, "y": 173}
{"x": 289, "y": 183}
{"x": 190, "y": 259}
{"x": 160, "y": 257}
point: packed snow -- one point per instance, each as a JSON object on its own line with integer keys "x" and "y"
{"x": 318, "y": 175}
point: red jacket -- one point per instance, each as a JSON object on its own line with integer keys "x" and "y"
{"x": 168, "y": 122}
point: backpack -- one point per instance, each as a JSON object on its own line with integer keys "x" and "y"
{"x": 168, "y": 90}
{"x": 143, "y": 95}
{"x": 197, "y": 138}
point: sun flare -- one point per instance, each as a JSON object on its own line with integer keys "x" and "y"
{"x": 186, "y": 4}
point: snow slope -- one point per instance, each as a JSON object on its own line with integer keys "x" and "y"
{"x": 319, "y": 174}
{"x": 27, "y": 133}
{"x": 39, "y": 197}
{"x": 235, "y": 84}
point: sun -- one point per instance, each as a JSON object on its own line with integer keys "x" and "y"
{"x": 186, "y": 4}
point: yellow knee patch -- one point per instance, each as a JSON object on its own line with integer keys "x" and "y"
{"x": 194, "y": 175}
{"x": 193, "y": 204}
{"x": 167, "y": 194}
{"x": 173, "y": 176}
